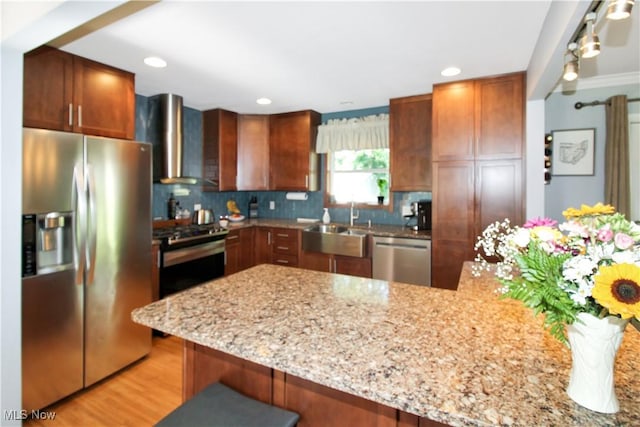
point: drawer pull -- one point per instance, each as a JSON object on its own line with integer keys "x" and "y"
{"x": 232, "y": 237}
{"x": 282, "y": 261}
{"x": 283, "y": 248}
{"x": 282, "y": 235}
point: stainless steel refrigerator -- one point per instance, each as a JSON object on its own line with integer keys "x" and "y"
{"x": 86, "y": 260}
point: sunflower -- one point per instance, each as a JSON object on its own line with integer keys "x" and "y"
{"x": 617, "y": 288}
{"x": 585, "y": 210}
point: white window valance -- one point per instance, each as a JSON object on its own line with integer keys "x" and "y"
{"x": 359, "y": 133}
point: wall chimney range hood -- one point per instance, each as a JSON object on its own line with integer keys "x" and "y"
{"x": 173, "y": 142}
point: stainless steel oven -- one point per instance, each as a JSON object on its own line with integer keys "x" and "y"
{"x": 190, "y": 256}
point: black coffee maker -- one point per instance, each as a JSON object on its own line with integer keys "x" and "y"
{"x": 422, "y": 211}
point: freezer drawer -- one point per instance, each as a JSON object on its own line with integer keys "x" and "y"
{"x": 402, "y": 260}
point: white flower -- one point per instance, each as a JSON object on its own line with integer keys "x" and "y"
{"x": 546, "y": 234}
{"x": 548, "y": 247}
{"x": 574, "y": 228}
{"x": 600, "y": 252}
{"x": 576, "y": 268}
{"x": 584, "y": 291}
{"x": 627, "y": 257}
{"x": 521, "y": 237}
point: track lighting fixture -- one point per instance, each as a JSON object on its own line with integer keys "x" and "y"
{"x": 590, "y": 43}
{"x": 584, "y": 42}
{"x": 619, "y": 9}
{"x": 571, "y": 64}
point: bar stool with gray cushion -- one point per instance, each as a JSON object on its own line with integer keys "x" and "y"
{"x": 218, "y": 405}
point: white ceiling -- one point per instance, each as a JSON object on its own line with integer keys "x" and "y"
{"x": 326, "y": 56}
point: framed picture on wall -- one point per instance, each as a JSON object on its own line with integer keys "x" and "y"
{"x": 573, "y": 151}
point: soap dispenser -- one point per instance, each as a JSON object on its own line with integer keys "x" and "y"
{"x": 326, "y": 218}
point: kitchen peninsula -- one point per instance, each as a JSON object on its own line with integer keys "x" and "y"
{"x": 344, "y": 350}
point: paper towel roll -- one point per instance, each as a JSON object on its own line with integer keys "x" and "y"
{"x": 297, "y": 196}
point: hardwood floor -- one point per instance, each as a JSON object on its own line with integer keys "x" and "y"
{"x": 140, "y": 395}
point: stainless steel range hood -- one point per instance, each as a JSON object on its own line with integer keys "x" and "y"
{"x": 172, "y": 141}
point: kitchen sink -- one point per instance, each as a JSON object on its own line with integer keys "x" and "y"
{"x": 335, "y": 239}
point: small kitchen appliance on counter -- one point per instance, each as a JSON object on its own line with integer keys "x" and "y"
{"x": 421, "y": 212}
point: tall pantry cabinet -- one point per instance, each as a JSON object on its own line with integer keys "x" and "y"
{"x": 478, "y": 140}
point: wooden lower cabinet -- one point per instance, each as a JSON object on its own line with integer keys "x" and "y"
{"x": 284, "y": 250}
{"x": 238, "y": 250}
{"x": 452, "y": 237}
{"x": 262, "y": 246}
{"x": 316, "y": 404}
{"x": 352, "y": 266}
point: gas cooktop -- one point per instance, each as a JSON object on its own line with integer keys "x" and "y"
{"x": 195, "y": 233}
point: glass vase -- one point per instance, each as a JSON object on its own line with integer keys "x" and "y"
{"x": 594, "y": 344}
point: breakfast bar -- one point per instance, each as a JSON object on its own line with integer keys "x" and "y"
{"x": 343, "y": 350}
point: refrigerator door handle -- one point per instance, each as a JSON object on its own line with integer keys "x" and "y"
{"x": 92, "y": 225}
{"x": 79, "y": 203}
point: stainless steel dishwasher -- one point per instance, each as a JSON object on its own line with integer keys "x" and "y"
{"x": 402, "y": 260}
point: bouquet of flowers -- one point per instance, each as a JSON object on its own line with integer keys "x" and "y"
{"x": 590, "y": 263}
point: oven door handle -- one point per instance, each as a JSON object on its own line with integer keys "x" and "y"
{"x": 191, "y": 253}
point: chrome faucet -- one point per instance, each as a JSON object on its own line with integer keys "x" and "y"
{"x": 352, "y": 216}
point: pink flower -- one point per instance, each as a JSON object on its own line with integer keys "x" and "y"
{"x": 540, "y": 222}
{"x": 604, "y": 234}
{"x": 623, "y": 241}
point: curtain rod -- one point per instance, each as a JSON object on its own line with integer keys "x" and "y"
{"x": 579, "y": 105}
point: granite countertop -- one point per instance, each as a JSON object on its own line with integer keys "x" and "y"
{"x": 377, "y": 230}
{"x": 458, "y": 357}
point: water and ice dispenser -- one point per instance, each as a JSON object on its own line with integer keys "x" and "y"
{"x": 47, "y": 243}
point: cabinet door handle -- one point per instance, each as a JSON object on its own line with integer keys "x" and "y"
{"x": 330, "y": 265}
{"x": 282, "y": 261}
{"x": 70, "y": 114}
{"x": 232, "y": 237}
{"x": 269, "y": 238}
{"x": 306, "y": 181}
{"x": 335, "y": 266}
{"x": 80, "y": 115}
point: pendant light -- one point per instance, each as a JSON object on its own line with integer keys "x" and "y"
{"x": 590, "y": 43}
{"x": 571, "y": 64}
{"x": 619, "y": 9}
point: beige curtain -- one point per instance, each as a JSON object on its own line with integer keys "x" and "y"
{"x": 358, "y": 133}
{"x": 616, "y": 169}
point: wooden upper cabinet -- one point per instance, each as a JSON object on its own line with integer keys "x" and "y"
{"x": 499, "y": 117}
{"x": 253, "y": 152}
{"x": 410, "y": 143}
{"x": 292, "y": 142}
{"x": 48, "y": 89}
{"x": 104, "y": 98}
{"x": 219, "y": 149}
{"x": 69, "y": 93}
{"x": 453, "y": 124}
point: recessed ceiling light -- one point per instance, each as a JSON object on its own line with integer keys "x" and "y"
{"x": 451, "y": 71}
{"x": 154, "y": 61}
{"x": 263, "y": 101}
